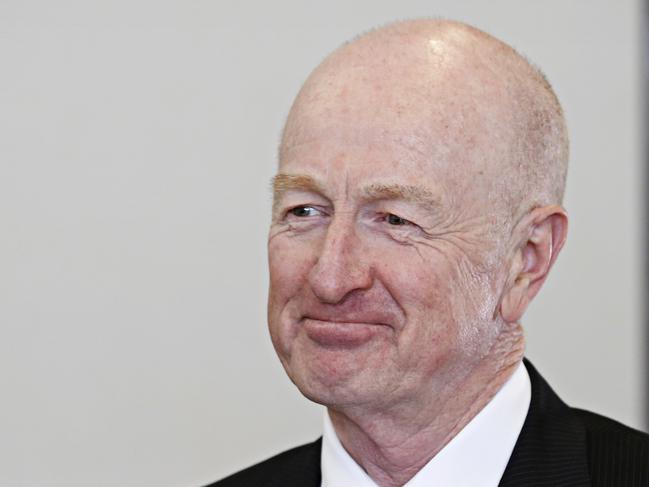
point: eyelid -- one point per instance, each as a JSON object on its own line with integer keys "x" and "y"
{"x": 289, "y": 198}
{"x": 318, "y": 208}
{"x": 407, "y": 222}
{"x": 385, "y": 213}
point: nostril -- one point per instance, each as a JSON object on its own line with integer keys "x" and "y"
{"x": 332, "y": 281}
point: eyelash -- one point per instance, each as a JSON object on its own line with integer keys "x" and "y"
{"x": 402, "y": 222}
{"x": 291, "y": 211}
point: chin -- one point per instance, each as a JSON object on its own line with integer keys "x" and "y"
{"x": 344, "y": 372}
{"x": 334, "y": 397}
{"x": 331, "y": 384}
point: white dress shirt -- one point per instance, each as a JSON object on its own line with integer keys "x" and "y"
{"x": 475, "y": 457}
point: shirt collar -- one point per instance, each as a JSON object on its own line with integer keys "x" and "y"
{"x": 485, "y": 444}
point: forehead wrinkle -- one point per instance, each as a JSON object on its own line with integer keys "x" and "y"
{"x": 415, "y": 139}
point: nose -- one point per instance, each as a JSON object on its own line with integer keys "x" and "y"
{"x": 342, "y": 265}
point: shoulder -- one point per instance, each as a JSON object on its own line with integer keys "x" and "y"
{"x": 297, "y": 466}
{"x": 560, "y": 445}
{"x": 617, "y": 454}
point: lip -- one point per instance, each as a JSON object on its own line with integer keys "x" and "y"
{"x": 340, "y": 334}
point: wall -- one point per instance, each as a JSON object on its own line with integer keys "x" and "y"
{"x": 138, "y": 139}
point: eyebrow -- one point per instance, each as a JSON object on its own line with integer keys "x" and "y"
{"x": 282, "y": 183}
{"x": 406, "y": 192}
{"x": 421, "y": 196}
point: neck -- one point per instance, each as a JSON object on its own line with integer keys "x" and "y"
{"x": 393, "y": 445}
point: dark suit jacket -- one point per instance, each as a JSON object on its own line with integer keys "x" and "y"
{"x": 558, "y": 446}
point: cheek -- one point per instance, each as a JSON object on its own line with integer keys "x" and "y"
{"x": 459, "y": 306}
{"x": 419, "y": 282}
{"x": 289, "y": 266}
{"x": 421, "y": 285}
{"x": 435, "y": 294}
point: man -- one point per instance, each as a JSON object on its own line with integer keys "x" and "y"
{"x": 417, "y": 212}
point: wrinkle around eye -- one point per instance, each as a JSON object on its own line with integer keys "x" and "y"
{"x": 289, "y": 223}
{"x": 443, "y": 242}
{"x": 406, "y": 234}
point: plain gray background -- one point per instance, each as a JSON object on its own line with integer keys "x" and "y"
{"x": 137, "y": 140}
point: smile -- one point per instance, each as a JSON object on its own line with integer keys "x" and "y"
{"x": 339, "y": 334}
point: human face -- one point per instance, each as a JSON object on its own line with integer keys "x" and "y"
{"x": 383, "y": 268}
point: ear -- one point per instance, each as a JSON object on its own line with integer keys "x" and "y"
{"x": 544, "y": 233}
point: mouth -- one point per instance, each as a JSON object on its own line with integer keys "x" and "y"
{"x": 340, "y": 334}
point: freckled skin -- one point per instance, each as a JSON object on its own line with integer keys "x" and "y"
{"x": 388, "y": 313}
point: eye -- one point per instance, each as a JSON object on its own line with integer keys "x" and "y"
{"x": 303, "y": 211}
{"x": 396, "y": 220}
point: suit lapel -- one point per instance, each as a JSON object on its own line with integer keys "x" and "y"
{"x": 302, "y": 470}
{"x": 551, "y": 448}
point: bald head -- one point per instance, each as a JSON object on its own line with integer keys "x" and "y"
{"x": 454, "y": 95}
{"x": 421, "y": 168}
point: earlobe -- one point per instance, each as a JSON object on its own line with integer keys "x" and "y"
{"x": 544, "y": 233}
{"x": 514, "y": 302}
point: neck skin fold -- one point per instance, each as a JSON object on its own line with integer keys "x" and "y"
{"x": 392, "y": 446}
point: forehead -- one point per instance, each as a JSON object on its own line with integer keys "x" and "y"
{"x": 366, "y": 165}
{"x": 442, "y": 126}
{"x": 398, "y": 114}
{"x": 335, "y": 141}
{"x": 366, "y": 150}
